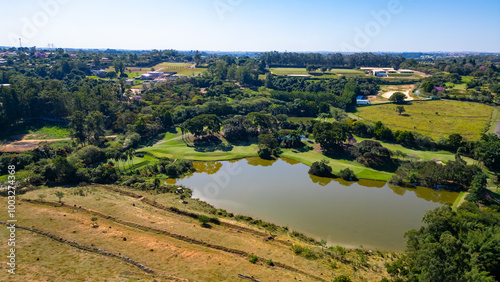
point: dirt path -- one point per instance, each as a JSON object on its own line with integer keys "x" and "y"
{"x": 388, "y": 94}
{"x": 23, "y": 145}
{"x": 497, "y": 129}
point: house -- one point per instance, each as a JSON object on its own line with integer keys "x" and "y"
{"x": 3, "y": 61}
{"x": 99, "y": 73}
{"x": 361, "y": 101}
{"x": 105, "y": 60}
{"x": 379, "y": 73}
{"x": 129, "y": 81}
{"x": 4, "y": 85}
{"x": 146, "y": 76}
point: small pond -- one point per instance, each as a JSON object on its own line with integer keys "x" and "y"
{"x": 369, "y": 213}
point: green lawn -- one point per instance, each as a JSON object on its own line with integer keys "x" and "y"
{"x": 182, "y": 69}
{"x": 460, "y": 87}
{"x": 433, "y": 118}
{"x": 172, "y": 146}
{"x": 400, "y": 74}
{"x": 333, "y": 73}
{"x": 49, "y": 132}
{"x": 38, "y": 130}
{"x": 466, "y": 78}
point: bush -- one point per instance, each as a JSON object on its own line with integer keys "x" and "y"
{"x": 297, "y": 249}
{"x": 321, "y": 169}
{"x": 342, "y": 278}
{"x": 253, "y": 258}
{"x": 309, "y": 254}
{"x": 270, "y": 262}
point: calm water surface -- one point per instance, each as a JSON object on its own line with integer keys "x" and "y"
{"x": 368, "y": 213}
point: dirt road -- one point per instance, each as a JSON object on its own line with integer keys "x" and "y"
{"x": 23, "y": 145}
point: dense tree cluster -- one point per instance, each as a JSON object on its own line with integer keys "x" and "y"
{"x": 331, "y": 60}
{"x": 454, "y": 175}
{"x": 453, "y": 245}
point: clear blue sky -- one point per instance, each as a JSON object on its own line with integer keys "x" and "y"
{"x": 255, "y": 25}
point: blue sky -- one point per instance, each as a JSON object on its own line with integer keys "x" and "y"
{"x": 255, "y": 25}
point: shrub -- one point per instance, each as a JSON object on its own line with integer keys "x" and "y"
{"x": 342, "y": 278}
{"x": 297, "y": 249}
{"x": 253, "y": 258}
{"x": 309, "y": 254}
{"x": 270, "y": 262}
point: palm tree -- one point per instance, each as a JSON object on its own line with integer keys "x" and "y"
{"x": 130, "y": 155}
{"x": 124, "y": 158}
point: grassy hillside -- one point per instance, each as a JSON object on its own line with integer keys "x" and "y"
{"x": 433, "y": 118}
{"x": 90, "y": 235}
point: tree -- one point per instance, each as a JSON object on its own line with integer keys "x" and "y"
{"x": 459, "y": 245}
{"x": 119, "y": 66}
{"x": 59, "y": 195}
{"x": 204, "y": 220}
{"x": 140, "y": 126}
{"x": 78, "y": 129}
{"x": 398, "y": 98}
{"x": 321, "y": 169}
{"x": 330, "y": 135}
{"x": 203, "y": 124}
{"x": 478, "y": 188}
{"x": 95, "y": 126}
{"x": 348, "y": 174}
{"x": 157, "y": 183}
{"x": 400, "y": 109}
{"x": 455, "y": 141}
{"x": 111, "y": 74}
{"x": 166, "y": 119}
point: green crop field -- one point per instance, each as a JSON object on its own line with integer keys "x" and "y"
{"x": 434, "y": 118}
{"x": 333, "y": 73}
{"x": 182, "y": 69}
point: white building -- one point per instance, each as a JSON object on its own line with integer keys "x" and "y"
{"x": 361, "y": 101}
{"x": 380, "y": 73}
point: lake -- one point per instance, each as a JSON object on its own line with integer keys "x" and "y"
{"x": 367, "y": 213}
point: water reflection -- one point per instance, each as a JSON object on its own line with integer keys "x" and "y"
{"x": 260, "y": 162}
{"x": 207, "y": 167}
{"x": 371, "y": 183}
{"x": 323, "y": 181}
